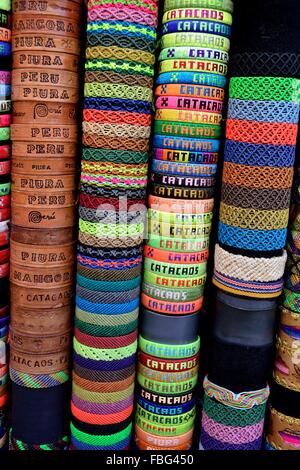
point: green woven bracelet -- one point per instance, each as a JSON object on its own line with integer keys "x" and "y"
{"x": 102, "y": 397}
{"x": 157, "y": 241}
{"x": 180, "y": 219}
{"x": 108, "y": 286}
{"x": 177, "y": 420}
{"x": 265, "y": 88}
{"x": 104, "y": 440}
{"x": 167, "y": 388}
{"x": 226, "y": 5}
{"x": 122, "y": 28}
{"x": 177, "y": 282}
{"x": 291, "y": 300}
{"x": 4, "y": 133}
{"x": 106, "y": 331}
{"x": 175, "y": 270}
{"x": 116, "y": 156}
{"x": 165, "y": 351}
{"x": 179, "y": 128}
{"x": 110, "y": 230}
{"x": 121, "y": 66}
{"x": 160, "y": 431}
{"x": 5, "y": 5}
{"x": 147, "y": 5}
{"x": 5, "y": 189}
{"x": 97, "y": 354}
{"x": 230, "y": 416}
{"x": 182, "y": 295}
{"x": 106, "y": 320}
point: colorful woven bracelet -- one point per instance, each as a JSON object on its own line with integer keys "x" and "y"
{"x": 169, "y": 351}
{"x": 264, "y": 88}
{"x": 98, "y": 439}
{"x": 185, "y": 157}
{"x": 197, "y": 14}
{"x": 177, "y": 420}
{"x": 187, "y": 129}
{"x": 122, "y": 27}
{"x": 40, "y": 380}
{"x": 109, "y": 90}
{"x": 181, "y": 245}
{"x": 161, "y": 431}
{"x": 188, "y": 116}
{"x": 181, "y": 143}
{"x": 119, "y": 66}
{"x": 253, "y": 219}
{"x": 226, "y": 5}
{"x": 5, "y": 49}
{"x": 194, "y": 53}
{"x": 244, "y": 153}
{"x": 197, "y": 26}
{"x": 168, "y": 377}
{"x": 187, "y": 65}
{"x": 195, "y": 39}
{"x": 172, "y": 295}
{"x": 263, "y": 111}
{"x": 197, "y": 91}
{"x": 174, "y": 270}
{"x": 195, "y": 78}
{"x": 195, "y": 104}
{"x": 183, "y": 169}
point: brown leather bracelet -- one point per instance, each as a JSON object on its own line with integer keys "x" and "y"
{"x": 60, "y": 8}
{"x": 46, "y": 132}
{"x": 52, "y": 166}
{"x": 41, "y": 321}
{"x": 43, "y": 149}
{"x": 52, "y": 237}
{"x": 41, "y": 277}
{"x": 42, "y": 218}
{"x": 44, "y": 78}
{"x": 41, "y": 112}
{"x": 41, "y": 298}
{"x": 48, "y": 60}
{"x": 43, "y": 198}
{"x": 24, "y": 24}
{"x": 39, "y": 363}
{"x": 45, "y": 42}
{"x": 39, "y": 344}
{"x": 47, "y": 93}
{"x": 45, "y": 256}
{"x": 41, "y": 183}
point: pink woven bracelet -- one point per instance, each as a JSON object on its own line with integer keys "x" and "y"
{"x": 231, "y": 434}
{"x": 195, "y": 104}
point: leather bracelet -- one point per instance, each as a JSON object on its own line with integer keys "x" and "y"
{"x": 38, "y": 277}
{"x": 194, "y": 39}
{"x": 181, "y": 193}
{"x": 51, "y": 133}
{"x": 178, "y": 230}
{"x": 43, "y": 42}
{"x": 169, "y": 351}
{"x": 36, "y": 344}
{"x": 38, "y": 199}
{"x": 42, "y": 237}
{"x": 42, "y": 78}
{"x": 41, "y": 298}
{"x": 49, "y": 60}
{"x": 164, "y": 329}
{"x": 55, "y": 183}
{"x": 171, "y": 308}
{"x": 5, "y": 34}
{"x": 175, "y": 257}
{"x": 52, "y": 7}
{"x": 168, "y": 365}
{"x": 180, "y": 206}
{"x": 187, "y": 65}
{"x": 44, "y": 217}
{"x": 34, "y": 166}
{"x": 190, "y": 117}
{"x": 181, "y": 143}
{"x": 38, "y": 149}
{"x": 38, "y": 321}
{"x": 39, "y": 363}
{"x": 161, "y": 441}
{"x": 45, "y": 24}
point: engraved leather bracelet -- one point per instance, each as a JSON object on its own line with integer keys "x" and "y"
{"x": 41, "y": 276}
{"x": 54, "y": 113}
{"x": 41, "y": 298}
{"x": 43, "y": 78}
{"x": 39, "y": 363}
{"x": 50, "y": 60}
{"x": 38, "y": 92}
{"x": 35, "y": 344}
{"x": 52, "y": 166}
{"x": 39, "y": 321}
{"x": 35, "y": 255}
{"x": 43, "y": 42}
{"x": 42, "y": 149}
{"x": 42, "y": 237}
{"x": 53, "y": 7}
{"x": 46, "y": 132}
{"x": 45, "y": 24}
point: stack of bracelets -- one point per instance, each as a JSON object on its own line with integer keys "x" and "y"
{"x": 45, "y": 93}
{"x": 283, "y": 432}
{"x": 119, "y": 71}
{"x": 250, "y": 254}
{"x": 5, "y": 120}
{"x": 189, "y": 101}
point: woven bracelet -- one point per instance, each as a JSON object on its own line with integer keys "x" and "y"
{"x": 120, "y": 27}
{"x": 107, "y": 217}
{"x": 160, "y": 431}
{"x": 186, "y": 65}
{"x": 94, "y": 397}
{"x": 253, "y": 219}
{"x": 117, "y": 156}
{"x": 147, "y": 4}
{"x": 111, "y": 254}
{"x": 104, "y": 297}
{"x": 173, "y": 244}
{"x": 109, "y": 275}
{"x": 100, "y": 439}
{"x": 265, "y": 64}
{"x": 249, "y": 269}
{"x": 245, "y": 153}
{"x": 257, "y": 177}
{"x": 197, "y": 26}
{"x": 256, "y": 198}
{"x": 197, "y": 14}
{"x": 107, "y": 331}
{"x": 174, "y": 282}
{"x": 181, "y": 143}
{"x": 185, "y": 157}
{"x": 108, "y": 168}
{"x": 109, "y": 90}
{"x": 174, "y": 270}
{"x": 266, "y": 240}
{"x": 120, "y": 40}
{"x": 207, "y": 79}
{"x": 188, "y": 116}
{"x": 264, "y": 88}
{"x": 230, "y": 416}
{"x": 93, "y": 190}
{"x": 166, "y": 420}
{"x": 226, "y": 5}
{"x": 108, "y": 286}
{"x": 119, "y": 66}
{"x": 106, "y": 308}
{"x": 265, "y": 111}
{"x": 17, "y": 444}
{"x": 184, "y": 169}
{"x": 111, "y": 230}
{"x": 5, "y": 5}
{"x": 198, "y": 39}
{"x": 180, "y": 218}
{"x": 104, "y": 354}
{"x": 243, "y": 401}
{"x": 291, "y": 300}
{"x": 107, "y": 376}
{"x": 120, "y": 53}
{"x": 167, "y": 377}
{"x": 123, "y": 263}
{"x": 116, "y": 130}
{"x": 172, "y": 295}
{"x": 77, "y": 445}
{"x": 38, "y": 381}
{"x": 164, "y": 410}
{"x": 5, "y": 49}
{"x": 135, "y": 106}
{"x": 169, "y": 351}
{"x": 183, "y": 52}
{"x": 116, "y": 117}
{"x": 187, "y": 129}
{"x": 166, "y": 388}
{"x": 268, "y": 133}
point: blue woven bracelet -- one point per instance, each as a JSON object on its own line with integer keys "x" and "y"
{"x": 263, "y": 111}
{"x": 5, "y": 91}
{"x": 188, "y": 144}
{"x": 178, "y": 168}
{"x": 258, "y": 240}
{"x": 109, "y": 104}
{"x": 107, "y": 309}
{"x": 5, "y": 49}
{"x": 196, "y": 26}
{"x": 122, "y": 445}
{"x": 209, "y": 79}
{"x": 244, "y": 153}
{"x": 165, "y": 410}
{"x": 108, "y": 286}
{"x": 92, "y": 263}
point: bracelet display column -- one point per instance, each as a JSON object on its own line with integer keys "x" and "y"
{"x": 119, "y": 69}
{"x": 5, "y": 153}
{"x": 250, "y": 255}
{"x": 45, "y": 93}
{"x": 190, "y": 90}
